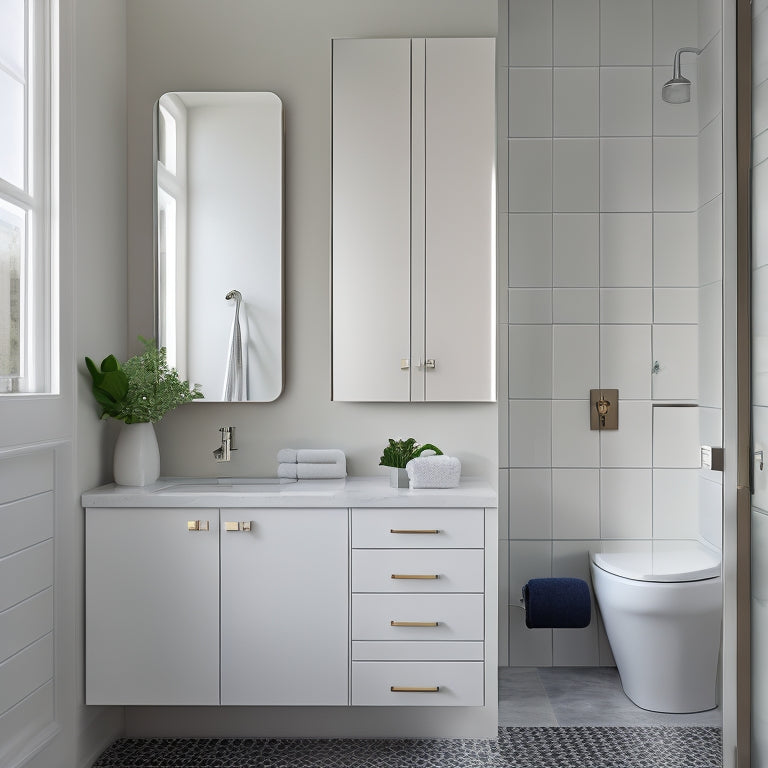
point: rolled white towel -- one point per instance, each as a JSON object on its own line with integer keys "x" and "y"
{"x": 287, "y": 470}
{"x": 287, "y": 456}
{"x": 320, "y": 471}
{"x": 434, "y": 472}
{"x": 321, "y": 456}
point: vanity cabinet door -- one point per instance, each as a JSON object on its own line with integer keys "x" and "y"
{"x": 152, "y": 606}
{"x": 284, "y": 606}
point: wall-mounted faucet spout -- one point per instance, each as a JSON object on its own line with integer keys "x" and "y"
{"x": 223, "y": 452}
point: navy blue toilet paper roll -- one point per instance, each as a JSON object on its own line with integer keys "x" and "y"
{"x": 557, "y": 603}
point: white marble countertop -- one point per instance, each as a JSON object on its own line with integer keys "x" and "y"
{"x": 199, "y": 492}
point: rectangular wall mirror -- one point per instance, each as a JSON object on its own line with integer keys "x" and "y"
{"x": 219, "y": 241}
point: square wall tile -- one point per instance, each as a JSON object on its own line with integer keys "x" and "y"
{"x": 710, "y": 221}
{"x": 527, "y": 647}
{"x": 711, "y": 512}
{"x": 710, "y": 20}
{"x": 625, "y": 175}
{"x": 675, "y": 503}
{"x": 530, "y": 33}
{"x": 577, "y": 99}
{"x": 759, "y": 337}
{"x": 759, "y": 223}
{"x": 675, "y": 174}
{"x": 530, "y": 102}
{"x": 576, "y": 175}
{"x": 675, "y": 25}
{"x": 711, "y": 347}
{"x": 574, "y": 444}
{"x": 576, "y": 250}
{"x": 626, "y": 250}
{"x": 530, "y": 503}
{"x": 760, "y": 108}
{"x": 626, "y": 32}
{"x": 626, "y": 503}
{"x": 710, "y": 90}
{"x": 503, "y": 403}
{"x": 503, "y": 504}
{"x": 530, "y": 433}
{"x": 575, "y": 305}
{"x": 676, "y": 305}
{"x": 530, "y": 175}
{"x": 710, "y": 161}
{"x": 626, "y": 305}
{"x": 530, "y": 362}
{"x": 503, "y": 602}
{"x": 530, "y": 305}
{"x": 625, "y": 360}
{"x": 676, "y": 437}
{"x": 530, "y": 249}
{"x": 675, "y": 119}
{"x": 625, "y": 101}
{"x": 675, "y": 249}
{"x": 630, "y": 445}
{"x": 577, "y": 33}
{"x": 576, "y": 364}
{"x": 575, "y": 647}
{"x": 711, "y": 433}
{"x": 575, "y": 503}
{"x": 675, "y": 348}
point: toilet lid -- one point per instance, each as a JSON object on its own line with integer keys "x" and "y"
{"x": 661, "y": 561}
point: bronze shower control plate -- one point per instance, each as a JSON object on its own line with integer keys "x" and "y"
{"x": 603, "y": 408}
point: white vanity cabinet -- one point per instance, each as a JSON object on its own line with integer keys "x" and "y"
{"x": 152, "y": 606}
{"x": 284, "y": 606}
{"x": 413, "y": 222}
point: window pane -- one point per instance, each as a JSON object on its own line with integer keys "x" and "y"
{"x": 12, "y": 229}
{"x": 12, "y": 36}
{"x": 11, "y": 130}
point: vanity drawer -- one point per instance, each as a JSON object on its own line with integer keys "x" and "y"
{"x": 418, "y": 650}
{"x": 414, "y": 570}
{"x": 418, "y": 528}
{"x": 432, "y": 684}
{"x": 417, "y": 617}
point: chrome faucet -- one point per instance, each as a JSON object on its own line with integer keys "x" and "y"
{"x": 222, "y": 453}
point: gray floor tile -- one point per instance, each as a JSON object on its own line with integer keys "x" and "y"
{"x": 522, "y": 699}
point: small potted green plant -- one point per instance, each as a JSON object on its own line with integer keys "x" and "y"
{"x": 398, "y": 453}
{"x": 139, "y": 393}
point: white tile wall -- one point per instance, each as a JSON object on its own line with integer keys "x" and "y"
{"x": 626, "y": 250}
{"x": 575, "y": 503}
{"x": 576, "y": 250}
{"x": 576, "y": 101}
{"x": 614, "y": 241}
{"x": 575, "y": 366}
{"x": 626, "y": 503}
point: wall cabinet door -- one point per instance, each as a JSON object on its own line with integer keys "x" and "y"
{"x": 413, "y": 219}
{"x": 152, "y": 606}
{"x": 284, "y": 606}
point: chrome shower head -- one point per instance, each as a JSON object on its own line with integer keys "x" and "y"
{"x": 678, "y": 89}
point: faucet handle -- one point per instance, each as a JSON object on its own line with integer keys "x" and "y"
{"x": 228, "y": 435}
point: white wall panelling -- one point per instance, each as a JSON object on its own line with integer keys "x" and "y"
{"x": 633, "y": 280}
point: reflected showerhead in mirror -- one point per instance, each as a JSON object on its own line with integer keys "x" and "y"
{"x": 678, "y": 89}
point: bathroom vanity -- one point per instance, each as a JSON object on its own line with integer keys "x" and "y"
{"x": 343, "y": 593}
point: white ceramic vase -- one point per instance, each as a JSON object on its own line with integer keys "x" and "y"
{"x": 398, "y": 477}
{"x": 137, "y": 457}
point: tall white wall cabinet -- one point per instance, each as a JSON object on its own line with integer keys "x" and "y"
{"x": 414, "y": 245}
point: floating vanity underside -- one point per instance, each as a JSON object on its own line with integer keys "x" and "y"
{"x": 374, "y": 608}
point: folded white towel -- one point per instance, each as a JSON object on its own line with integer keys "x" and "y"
{"x": 320, "y": 471}
{"x": 287, "y": 456}
{"x": 434, "y": 472}
{"x": 287, "y": 470}
{"x": 321, "y": 456}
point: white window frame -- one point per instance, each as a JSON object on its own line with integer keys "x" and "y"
{"x": 39, "y": 372}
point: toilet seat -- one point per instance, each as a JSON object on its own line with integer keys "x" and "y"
{"x": 659, "y": 561}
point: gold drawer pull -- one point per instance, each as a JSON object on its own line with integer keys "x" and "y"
{"x": 414, "y": 576}
{"x": 414, "y": 689}
{"x": 244, "y": 525}
{"x": 412, "y": 623}
{"x": 407, "y": 530}
{"x": 197, "y": 525}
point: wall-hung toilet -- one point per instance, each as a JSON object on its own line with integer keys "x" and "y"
{"x": 661, "y": 604}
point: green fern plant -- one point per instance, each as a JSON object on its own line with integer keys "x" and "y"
{"x": 142, "y": 389}
{"x": 399, "y": 452}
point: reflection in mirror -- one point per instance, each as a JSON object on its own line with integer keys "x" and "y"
{"x": 219, "y": 241}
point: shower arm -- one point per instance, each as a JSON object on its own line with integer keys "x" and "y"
{"x": 676, "y": 64}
